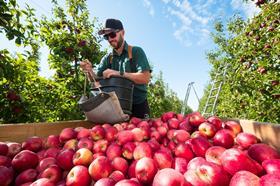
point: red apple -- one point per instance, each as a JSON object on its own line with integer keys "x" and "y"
{"x": 124, "y": 137}
{"x": 173, "y": 123}
{"x": 213, "y": 154}
{"x": 117, "y": 175}
{"x": 100, "y": 146}
{"x": 271, "y": 166}
{"x": 43, "y": 182}
{"x": 127, "y": 182}
{"x": 168, "y": 177}
{"x": 67, "y": 134}
{"x": 270, "y": 179}
{"x": 83, "y": 156}
{"x": 97, "y": 132}
{"x": 180, "y": 136}
{"x": 6, "y": 175}
{"x": 234, "y": 126}
{"x": 195, "y": 162}
{"x": 14, "y": 148}
{"x": 41, "y": 154}
{"x": 143, "y": 149}
{"x": 5, "y": 161}
{"x": 82, "y": 133}
{"x": 245, "y": 140}
{"x": 127, "y": 150}
{"x": 45, "y": 163}
{"x": 119, "y": 163}
{"x": 53, "y": 173}
{"x": 163, "y": 159}
{"x": 185, "y": 125}
{"x": 85, "y": 143}
{"x": 25, "y": 159}
{"x": 242, "y": 178}
{"x": 3, "y": 149}
{"x": 184, "y": 151}
{"x": 145, "y": 170}
{"x": 180, "y": 117}
{"x": 33, "y": 144}
{"x": 113, "y": 150}
{"x": 100, "y": 168}
{"x": 199, "y": 145}
{"x": 138, "y": 134}
{"x": 234, "y": 160}
{"x": 105, "y": 182}
{"x": 216, "y": 121}
{"x": 261, "y": 152}
{"x": 195, "y": 119}
{"x": 135, "y": 120}
{"x": 167, "y": 116}
{"x": 65, "y": 159}
{"x": 110, "y": 133}
{"x": 154, "y": 144}
{"x": 52, "y": 152}
{"x": 224, "y": 138}
{"x": 180, "y": 165}
{"x": 71, "y": 144}
{"x": 207, "y": 129}
{"x": 207, "y": 173}
{"x": 52, "y": 141}
{"x": 78, "y": 176}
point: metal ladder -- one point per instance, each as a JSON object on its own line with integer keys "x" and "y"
{"x": 216, "y": 86}
{"x": 190, "y": 85}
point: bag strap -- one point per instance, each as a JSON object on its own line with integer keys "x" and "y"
{"x": 130, "y": 57}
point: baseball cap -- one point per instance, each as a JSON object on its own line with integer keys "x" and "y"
{"x": 111, "y": 25}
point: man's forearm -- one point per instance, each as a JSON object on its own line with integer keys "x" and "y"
{"x": 138, "y": 77}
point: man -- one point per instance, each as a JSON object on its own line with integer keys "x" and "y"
{"x": 119, "y": 63}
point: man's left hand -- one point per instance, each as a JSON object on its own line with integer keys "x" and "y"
{"x": 109, "y": 72}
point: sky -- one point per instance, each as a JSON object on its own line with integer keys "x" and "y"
{"x": 175, "y": 35}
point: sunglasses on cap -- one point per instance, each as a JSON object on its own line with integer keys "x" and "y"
{"x": 111, "y": 35}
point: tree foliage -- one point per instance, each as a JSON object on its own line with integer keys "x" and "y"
{"x": 251, "y": 49}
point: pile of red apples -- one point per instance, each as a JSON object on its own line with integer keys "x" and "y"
{"x": 174, "y": 150}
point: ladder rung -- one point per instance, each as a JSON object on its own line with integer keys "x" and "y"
{"x": 212, "y": 96}
{"x": 215, "y": 89}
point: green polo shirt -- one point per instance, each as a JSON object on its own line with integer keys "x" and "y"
{"x": 122, "y": 63}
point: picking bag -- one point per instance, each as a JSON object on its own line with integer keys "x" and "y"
{"x": 102, "y": 107}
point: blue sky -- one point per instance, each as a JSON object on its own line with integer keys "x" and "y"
{"x": 175, "y": 34}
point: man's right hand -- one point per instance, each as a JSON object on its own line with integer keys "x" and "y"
{"x": 86, "y": 66}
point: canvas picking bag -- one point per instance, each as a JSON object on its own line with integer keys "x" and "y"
{"x": 102, "y": 107}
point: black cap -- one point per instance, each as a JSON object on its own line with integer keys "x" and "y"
{"x": 111, "y": 25}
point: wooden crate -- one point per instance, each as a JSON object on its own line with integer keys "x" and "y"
{"x": 267, "y": 132}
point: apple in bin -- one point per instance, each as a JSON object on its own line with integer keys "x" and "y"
{"x": 207, "y": 129}
{"x": 100, "y": 146}
{"x": 163, "y": 159}
{"x": 242, "y": 178}
{"x": 53, "y": 172}
{"x": 14, "y": 148}
{"x": 82, "y": 132}
{"x": 180, "y": 164}
{"x": 119, "y": 163}
{"x": 52, "y": 141}
{"x": 113, "y": 150}
{"x": 216, "y": 121}
{"x": 5, "y": 161}
{"x": 78, "y": 176}
{"x": 127, "y": 150}
{"x": 270, "y": 179}
{"x": 105, "y": 182}
{"x": 234, "y": 126}
{"x": 145, "y": 170}
{"x": 126, "y": 182}
{"x": 213, "y": 154}
{"x": 43, "y": 182}
{"x": 67, "y": 134}
{"x": 97, "y": 132}
{"x": 29, "y": 175}
{"x": 195, "y": 119}
{"x": 184, "y": 151}
{"x": 25, "y": 159}
{"x": 199, "y": 145}
{"x": 245, "y": 140}
{"x": 33, "y": 144}
{"x": 6, "y": 175}
{"x": 45, "y": 163}
{"x": 117, "y": 175}
{"x": 143, "y": 149}
{"x": 85, "y": 143}
{"x": 3, "y": 149}
{"x": 82, "y": 156}
{"x": 271, "y": 166}
{"x": 261, "y": 152}
{"x": 65, "y": 159}
{"x": 100, "y": 168}
{"x": 224, "y": 138}
{"x": 169, "y": 177}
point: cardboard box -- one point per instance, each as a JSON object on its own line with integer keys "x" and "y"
{"x": 267, "y": 132}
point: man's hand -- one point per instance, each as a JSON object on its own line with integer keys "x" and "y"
{"x": 86, "y": 66}
{"x": 109, "y": 72}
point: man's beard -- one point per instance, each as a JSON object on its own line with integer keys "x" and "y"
{"x": 119, "y": 43}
